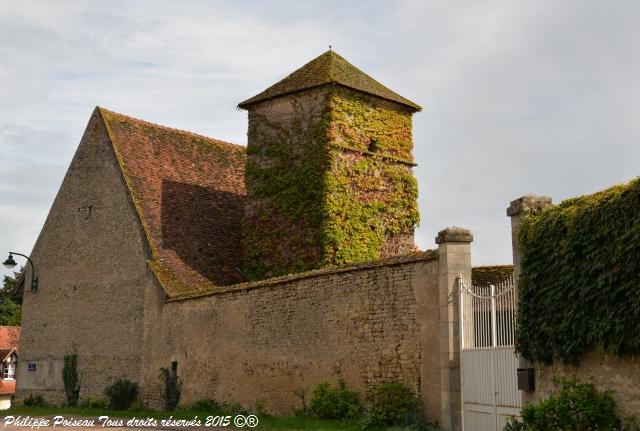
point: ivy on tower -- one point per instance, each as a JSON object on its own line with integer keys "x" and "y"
{"x": 329, "y": 171}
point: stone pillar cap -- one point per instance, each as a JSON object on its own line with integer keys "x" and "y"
{"x": 454, "y": 234}
{"x": 528, "y": 203}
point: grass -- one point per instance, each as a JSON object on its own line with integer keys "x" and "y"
{"x": 266, "y": 423}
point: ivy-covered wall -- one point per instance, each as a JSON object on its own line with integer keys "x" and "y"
{"x": 329, "y": 181}
{"x": 580, "y": 285}
{"x": 371, "y": 197}
{"x": 287, "y": 162}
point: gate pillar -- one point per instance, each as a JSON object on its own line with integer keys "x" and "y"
{"x": 454, "y": 259}
{"x": 517, "y": 211}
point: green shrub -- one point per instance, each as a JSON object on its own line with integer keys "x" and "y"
{"x": 35, "y": 401}
{"x": 575, "y": 405}
{"x": 232, "y": 409}
{"x": 137, "y": 406}
{"x": 71, "y": 380}
{"x": 172, "y": 386}
{"x": 205, "y": 405}
{"x": 94, "y": 403}
{"x": 260, "y": 408}
{"x": 121, "y": 394}
{"x": 213, "y": 407}
{"x": 329, "y": 402}
{"x": 390, "y": 404}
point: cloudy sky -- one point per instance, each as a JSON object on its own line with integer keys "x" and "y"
{"x": 519, "y": 96}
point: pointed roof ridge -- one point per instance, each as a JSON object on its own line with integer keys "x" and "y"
{"x": 332, "y": 56}
{"x": 167, "y": 128}
{"x": 328, "y": 68}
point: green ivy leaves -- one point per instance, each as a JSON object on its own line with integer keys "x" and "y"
{"x": 580, "y": 285}
{"x": 314, "y": 203}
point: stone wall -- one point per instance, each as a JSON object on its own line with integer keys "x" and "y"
{"x": 607, "y": 371}
{"x": 91, "y": 262}
{"x": 368, "y": 324}
{"x": 371, "y": 190}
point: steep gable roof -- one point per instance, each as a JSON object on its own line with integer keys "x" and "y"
{"x": 9, "y": 337}
{"x": 189, "y": 193}
{"x": 329, "y": 68}
{"x": 5, "y": 353}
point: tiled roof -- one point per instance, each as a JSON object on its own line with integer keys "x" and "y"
{"x": 9, "y": 337}
{"x": 5, "y": 352}
{"x": 329, "y": 68}
{"x": 486, "y": 275}
{"x": 189, "y": 194}
{"x": 7, "y": 387}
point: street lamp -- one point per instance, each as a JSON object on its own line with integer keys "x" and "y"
{"x": 11, "y": 263}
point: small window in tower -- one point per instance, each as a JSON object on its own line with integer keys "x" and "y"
{"x": 373, "y": 146}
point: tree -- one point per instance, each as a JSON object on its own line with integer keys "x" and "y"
{"x": 10, "y": 311}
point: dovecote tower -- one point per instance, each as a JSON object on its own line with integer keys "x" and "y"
{"x": 329, "y": 171}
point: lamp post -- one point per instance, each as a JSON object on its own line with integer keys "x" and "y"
{"x": 11, "y": 263}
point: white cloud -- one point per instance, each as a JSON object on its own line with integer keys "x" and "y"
{"x": 518, "y": 97}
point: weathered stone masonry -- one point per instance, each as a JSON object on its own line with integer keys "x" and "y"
{"x": 383, "y": 321}
{"x": 365, "y": 324}
{"x": 84, "y": 305}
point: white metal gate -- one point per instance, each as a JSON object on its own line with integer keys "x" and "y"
{"x": 488, "y": 361}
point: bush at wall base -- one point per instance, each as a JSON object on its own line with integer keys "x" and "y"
{"x": 574, "y": 405}
{"x": 121, "y": 394}
{"x": 335, "y": 402}
{"x": 213, "y": 407}
{"x": 35, "y": 401}
{"x": 94, "y": 403}
{"x": 391, "y": 404}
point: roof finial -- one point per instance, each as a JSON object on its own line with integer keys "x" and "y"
{"x": 329, "y": 47}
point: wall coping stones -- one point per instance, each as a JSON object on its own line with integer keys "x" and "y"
{"x": 528, "y": 203}
{"x": 427, "y": 255}
{"x": 454, "y": 234}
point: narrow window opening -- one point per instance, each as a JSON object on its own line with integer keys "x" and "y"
{"x": 373, "y": 146}
{"x": 87, "y": 211}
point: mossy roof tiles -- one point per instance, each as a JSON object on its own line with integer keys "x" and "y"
{"x": 486, "y": 275}
{"x": 189, "y": 193}
{"x": 328, "y": 68}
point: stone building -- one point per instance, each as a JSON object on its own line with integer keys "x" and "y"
{"x": 9, "y": 341}
{"x": 259, "y": 270}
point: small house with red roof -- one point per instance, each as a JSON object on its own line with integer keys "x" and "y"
{"x": 9, "y": 342}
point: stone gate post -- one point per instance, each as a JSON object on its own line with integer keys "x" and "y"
{"x": 454, "y": 259}
{"x": 517, "y": 210}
